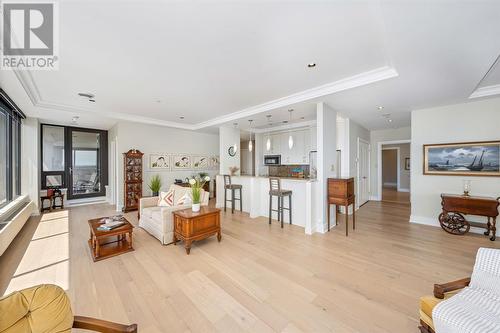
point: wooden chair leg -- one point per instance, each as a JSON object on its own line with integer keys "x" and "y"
{"x": 328, "y": 212}
{"x": 225, "y": 198}
{"x": 241, "y": 201}
{"x": 347, "y": 220}
{"x": 281, "y": 210}
{"x": 290, "y": 207}
{"x": 232, "y": 201}
{"x": 270, "y": 207}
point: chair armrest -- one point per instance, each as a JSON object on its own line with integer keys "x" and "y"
{"x": 99, "y": 325}
{"x": 441, "y": 289}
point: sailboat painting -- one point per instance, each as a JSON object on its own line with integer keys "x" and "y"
{"x": 463, "y": 159}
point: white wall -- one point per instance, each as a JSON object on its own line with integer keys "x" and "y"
{"x": 229, "y": 136}
{"x": 158, "y": 139}
{"x": 475, "y": 121}
{"x": 403, "y": 133}
{"x": 30, "y": 157}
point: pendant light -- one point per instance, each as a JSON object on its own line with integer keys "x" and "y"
{"x": 250, "y": 143}
{"x": 268, "y": 141}
{"x": 290, "y": 137}
{"x": 235, "y": 144}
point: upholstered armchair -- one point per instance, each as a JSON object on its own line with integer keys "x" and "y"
{"x": 470, "y": 305}
{"x": 46, "y": 308}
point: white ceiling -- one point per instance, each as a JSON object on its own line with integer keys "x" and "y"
{"x": 217, "y": 62}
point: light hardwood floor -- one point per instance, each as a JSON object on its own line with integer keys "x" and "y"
{"x": 391, "y": 194}
{"x": 260, "y": 278}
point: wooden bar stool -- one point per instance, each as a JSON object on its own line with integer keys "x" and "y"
{"x": 276, "y": 190}
{"x": 232, "y": 187}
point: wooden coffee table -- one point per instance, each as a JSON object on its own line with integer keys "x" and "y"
{"x": 190, "y": 226}
{"x": 106, "y": 244}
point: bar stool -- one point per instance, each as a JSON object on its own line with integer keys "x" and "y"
{"x": 232, "y": 187}
{"x": 275, "y": 190}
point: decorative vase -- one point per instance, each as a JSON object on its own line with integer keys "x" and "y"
{"x": 155, "y": 194}
{"x": 196, "y": 207}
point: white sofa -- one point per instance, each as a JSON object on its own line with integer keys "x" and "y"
{"x": 158, "y": 221}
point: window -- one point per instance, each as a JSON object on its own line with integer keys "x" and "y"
{"x": 10, "y": 149}
{"x": 75, "y": 159}
{"x": 53, "y": 164}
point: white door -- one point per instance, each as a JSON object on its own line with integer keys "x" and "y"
{"x": 363, "y": 172}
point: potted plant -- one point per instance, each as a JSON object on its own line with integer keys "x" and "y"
{"x": 197, "y": 184}
{"x": 155, "y": 185}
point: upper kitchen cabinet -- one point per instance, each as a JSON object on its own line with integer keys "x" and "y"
{"x": 274, "y": 144}
{"x": 299, "y": 153}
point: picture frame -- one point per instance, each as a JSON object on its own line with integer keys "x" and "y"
{"x": 407, "y": 163}
{"x": 181, "y": 162}
{"x": 200, "y": 162}
{"x": 481, "y": 158}
{"x": 159, "y": 162}
{"x": 214, "y": 162}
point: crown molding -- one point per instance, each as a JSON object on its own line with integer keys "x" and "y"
{"x": 358, "y": 80}
{"x": 486, "y": 91}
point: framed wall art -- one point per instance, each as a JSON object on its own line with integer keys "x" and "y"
{"x": 200, "y": 162}
{"x": 407, "y": 163}
{"x": 463, "y": 159}
{"x": 181, "y": 162}
{"x": 159, "y": 162}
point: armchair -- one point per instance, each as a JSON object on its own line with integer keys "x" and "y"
{"x": 470, "y": 305}
{"x": 46, "y": 308}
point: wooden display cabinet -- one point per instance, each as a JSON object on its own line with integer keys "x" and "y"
{"x": 132, "y": 171}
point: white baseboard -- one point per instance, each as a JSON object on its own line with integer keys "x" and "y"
{"x": 433, "y": 221}
{"x": 374, "y": 198}
{"x": 403, "y": 190}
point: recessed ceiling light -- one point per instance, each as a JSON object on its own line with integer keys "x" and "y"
{"x": 285, "y": 121}
{"x": 158, "y": 101}
{"x": 380, "y": 108}
{"x": 311, "y": 65}
{"x": 74, "y": 120}
{"x": 302, "y": 118}
{"x": 290, "y": 110}
{"x": 390, "y": 120}
{"x": 181, "y": 117}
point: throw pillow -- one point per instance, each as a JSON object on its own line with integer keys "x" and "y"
{"x": 185, "y": 199}
{"x": 166, "y": 199}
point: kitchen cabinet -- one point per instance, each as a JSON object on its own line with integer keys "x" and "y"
{"x": 299, "y": 154}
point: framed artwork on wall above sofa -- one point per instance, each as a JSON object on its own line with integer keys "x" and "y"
{"x": 463, "y": 159}
{"x": 159, "y": 162}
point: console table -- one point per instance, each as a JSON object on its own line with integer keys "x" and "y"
{"x": 455, "y": 206}
{"x": 341, "y": 193}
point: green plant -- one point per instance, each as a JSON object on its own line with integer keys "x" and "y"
{"x": 155, "y": 184}
{"x": 197, "y": 184}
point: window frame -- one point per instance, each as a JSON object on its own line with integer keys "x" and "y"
{"x": 14, "y": 118}
{"x": 68, "y": 150}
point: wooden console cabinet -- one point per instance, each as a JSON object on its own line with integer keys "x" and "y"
{"x": 191, "y": 226}
{"x": 455, "y": 206}
{"x": 341, "y": 193}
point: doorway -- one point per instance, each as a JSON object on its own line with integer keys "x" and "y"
{"x": 75, "y": 159}
{"x": 394, "y": 175}
{"x": 363, "y": 159}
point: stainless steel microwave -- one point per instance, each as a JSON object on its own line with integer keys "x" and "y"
{"x": 272, "y": 159}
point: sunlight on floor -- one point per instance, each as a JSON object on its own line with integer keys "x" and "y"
{"x": 46, "y": 259}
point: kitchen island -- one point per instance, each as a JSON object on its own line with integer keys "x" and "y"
{"x": 256, "y": 198}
